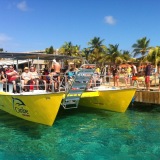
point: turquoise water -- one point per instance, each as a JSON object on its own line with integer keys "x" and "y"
{"x": 84, "y": 134}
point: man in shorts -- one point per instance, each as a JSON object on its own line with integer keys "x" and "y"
{"x": 57, "y": 69}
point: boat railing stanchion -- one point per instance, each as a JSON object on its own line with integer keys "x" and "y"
{"x": 6, "y": 83}
{"x": 10, "y": 85}
{"x": 20, "y": 84}
{"x": 1, "y": 86}
{"x": 52, "y": 87}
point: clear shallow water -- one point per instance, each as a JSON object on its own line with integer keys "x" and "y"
{"x": 84, "y": 134}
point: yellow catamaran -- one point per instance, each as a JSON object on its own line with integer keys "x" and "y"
{"x": 102, "y": 97}
{"x": 36, "y": 107}
{"x": 116, "y": 100}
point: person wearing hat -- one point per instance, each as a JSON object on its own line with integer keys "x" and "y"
{"x": 26, "y": 76}
{"x": 5, "y": 66}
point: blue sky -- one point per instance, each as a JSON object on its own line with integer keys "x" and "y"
{"x": 28, "y": 25}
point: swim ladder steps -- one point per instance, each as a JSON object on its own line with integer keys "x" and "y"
{"x": 71, "y": 104}
{"x": 74, "y": 98}
{"x": 76, "y": 91}
{"x": 80, "y": 82}
{"x": 79, "y": 78}
{"x": 78, "y": 85}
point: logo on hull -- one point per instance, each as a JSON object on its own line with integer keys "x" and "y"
{"x": 18, "y": 106}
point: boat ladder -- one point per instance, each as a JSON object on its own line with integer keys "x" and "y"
{"x": 76, "y": 89}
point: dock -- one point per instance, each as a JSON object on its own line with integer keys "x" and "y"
{"x": 149, "y": 97}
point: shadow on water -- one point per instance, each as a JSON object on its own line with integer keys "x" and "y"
{"x": 64, "y": 113}
{"x": 142, "y": 107}
{"x": 19, "y": 125}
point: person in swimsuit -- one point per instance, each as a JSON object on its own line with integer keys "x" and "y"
{"x": 57, "y": 69}
{"x": 53, "y": 78}
{"x": 115, "y": 73}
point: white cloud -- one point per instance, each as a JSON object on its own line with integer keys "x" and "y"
{"x": 4, "y": 38}
{"x": 22, "y": 6}
{"x": 110, "y": 20}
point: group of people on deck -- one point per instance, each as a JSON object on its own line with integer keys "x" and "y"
{"x": 50, "y": 79}
{"x": 30, "y": 79}
{"x": 130, "y": 75}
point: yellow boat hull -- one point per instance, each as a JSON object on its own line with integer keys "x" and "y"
{"x": 113, "y": 100}
{"x": 39, "y": 108}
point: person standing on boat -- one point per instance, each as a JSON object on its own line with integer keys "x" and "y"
{"x": 134, "y": 69}
{"x": 134, "y": 74}
{"x": 57, "y": 69}
{"x": 96, "y": 77}
{"x": 115, "y": 73}
{"x": 147, "y": 76}
{"x": 129, "y": 75}
{"x": 12, "y": 76}
{"x": 52, "y": 77}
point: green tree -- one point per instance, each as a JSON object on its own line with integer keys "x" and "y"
{"x": 141, "y": 47}
{"x": 1, "y": 49}
{"x": 97, "y": 50}
{"x": 85, "y": 53}
{"x": 126, "y": 55}
{"x": 50, "y": 50}
{"x": 154, "y": 55}
{"x": 67, "y": 49}
{"x": 113, "y": 53}
{"x": 71, "y": 50}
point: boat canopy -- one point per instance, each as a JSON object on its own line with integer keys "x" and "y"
{"x": 34, "y": 55}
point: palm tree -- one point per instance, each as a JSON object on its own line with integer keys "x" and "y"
{"x": 113, "y": 53}
{"x": 49, "y": 50}
{"x": 76, "y": 50}
{"x": 67, "y": 49}
{"x": 71, "y": 50}
{"x": 141, "y": 47}
{"x": 96, "y": 43}
{"x": 85, "y": 53}
{"x": 126, "y": 55}
{"x": 97, "y": 50}
{"x": 154, "y": 55}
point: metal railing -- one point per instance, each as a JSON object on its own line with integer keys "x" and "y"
{"x": 96, "y": 80}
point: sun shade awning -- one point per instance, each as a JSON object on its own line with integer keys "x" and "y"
{"x": 11, "y": 62}
{"x": 27, "y": 55}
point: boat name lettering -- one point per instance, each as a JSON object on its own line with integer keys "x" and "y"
{"x": 18, "y": 106}
{"x": 22, "y": 110}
